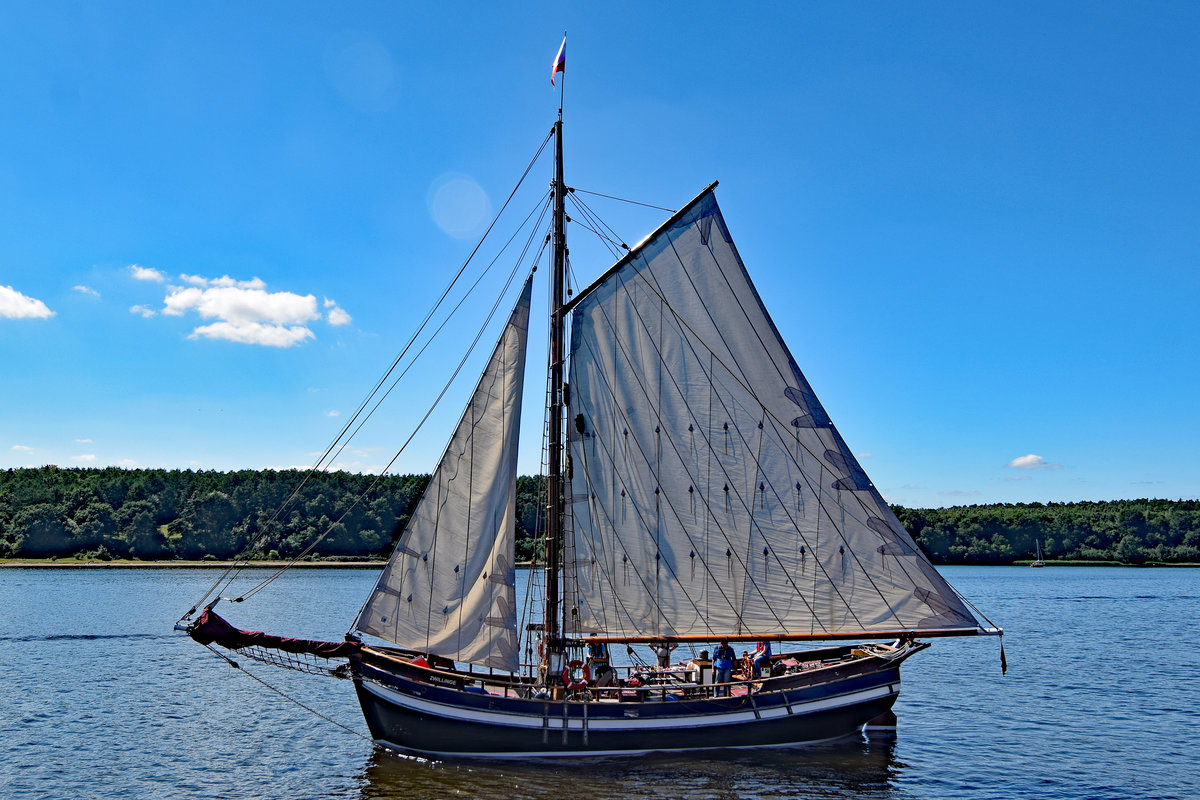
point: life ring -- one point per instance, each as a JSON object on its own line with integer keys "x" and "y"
{"x": 576, "y": 675}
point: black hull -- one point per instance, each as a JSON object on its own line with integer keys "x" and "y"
{"x": 432, "y": 721}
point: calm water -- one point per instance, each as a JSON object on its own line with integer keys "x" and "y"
{"x": 99, "y": 699}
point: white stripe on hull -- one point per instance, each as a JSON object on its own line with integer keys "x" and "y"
{"x": 675, "y": 721}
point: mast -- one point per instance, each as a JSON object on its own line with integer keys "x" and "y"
{"x": 554, "y": 523}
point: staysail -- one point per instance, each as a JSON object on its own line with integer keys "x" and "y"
{"x": 449, "y": 588}
{"x": 710, "y": 493}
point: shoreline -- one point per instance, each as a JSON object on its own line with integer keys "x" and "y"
{"x": 43, "y": 563}
{"x": 33, "y": 563}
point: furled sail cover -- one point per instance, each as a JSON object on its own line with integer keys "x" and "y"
{"x": 710, "y": 493}
{"x": 449, "y": 588}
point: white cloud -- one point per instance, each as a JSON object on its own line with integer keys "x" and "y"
{"x": 863, "y": 455}
{"x": 244, "y": 311}
{"x": 83, "y": 441}
{"x": 21, "y": 448}
{"x": 1018, "y": 478}
{"x": 85, "y": 290}
{"x": 146, "y": 274}
{"x": 254, "y": 333}
{"x": 239, "y": 305}
{"x": 127, "y": 462}
{"x": 223, "y": 282}
{"x": 337, "y": 316}
{"x": 1032, "y": 462}
{"x": 15, "y": 305}
{"x": 333, "y": 413}
{"x": 89, "y": 457}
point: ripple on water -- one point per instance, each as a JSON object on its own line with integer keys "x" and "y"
{"x": 101, "y": 701}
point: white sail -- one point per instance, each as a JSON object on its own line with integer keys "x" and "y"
{"x": 449, "y": 588}
{"x": 710, "y": 493}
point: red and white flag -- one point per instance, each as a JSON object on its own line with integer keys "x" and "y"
{"x": 560, "y": 62}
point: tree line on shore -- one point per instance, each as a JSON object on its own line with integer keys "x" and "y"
{"x": 154, "y": 514}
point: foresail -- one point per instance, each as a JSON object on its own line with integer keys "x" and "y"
{"x": 449, "y": 588}
{"x": 710, "y": 493}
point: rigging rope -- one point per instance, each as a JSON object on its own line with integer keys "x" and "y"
{"x": 545, "y": 206}
{"x": 614, "y": 242}
{"x": 446, "y": 387}
{"x": 285, "y": 695}
{"x": 623, "y": 200}
{"x": 357, "y": 500}
{"x": 691, "y": 343}
{"x": 650, "y": 591}
{"x": 229, "y": 574}
{"x": 695, "y": 338}
{"x": 750, "y": 390}
{"x": 599, "y": 221}
{"x": 379, "y": 478}
{"x": 593, "y": 223}
{"x": 627, "y": 550}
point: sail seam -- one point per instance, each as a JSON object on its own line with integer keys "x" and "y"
{"x": 749, "y": 389}
{"x": 746, "y": 571}
{"x": 637, "y": 380}
{"x": 649, "y": 276}
{"x": 637, "y": 249}
{"x": 694, "y": 335}
{"x": 838, "y": 440}
{"x": 436, "y": 494}
{"x": 619, "y": 539}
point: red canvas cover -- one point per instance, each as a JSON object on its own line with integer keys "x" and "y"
{"x": 211, "y": 628}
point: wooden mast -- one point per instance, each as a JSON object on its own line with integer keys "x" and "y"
{"x": 554, "y": 522}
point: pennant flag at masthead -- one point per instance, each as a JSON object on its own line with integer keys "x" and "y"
{"x": 560, "y": 62}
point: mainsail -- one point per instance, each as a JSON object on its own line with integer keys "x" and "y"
{"x": 449, "y": 588}
{"x": 710, "y": 493}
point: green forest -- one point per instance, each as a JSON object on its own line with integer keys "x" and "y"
{"x": 155, "y": 515}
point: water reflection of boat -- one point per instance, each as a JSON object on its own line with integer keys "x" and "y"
{"x": 699, "y": 495}
{"x": 850, "y": 769}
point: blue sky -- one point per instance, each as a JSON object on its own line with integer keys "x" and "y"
{"x": 977, "y": 225}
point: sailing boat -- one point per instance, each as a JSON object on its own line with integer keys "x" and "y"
{"x": 699, "y": 497}
{"x": 1038, "y": 562}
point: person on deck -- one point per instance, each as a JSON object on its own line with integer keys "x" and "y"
{"x": 601, "y": 669}
{"x": 723, "y": 658}
{"x": 762, "y": 658}
{"x": 663, "y": 651}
